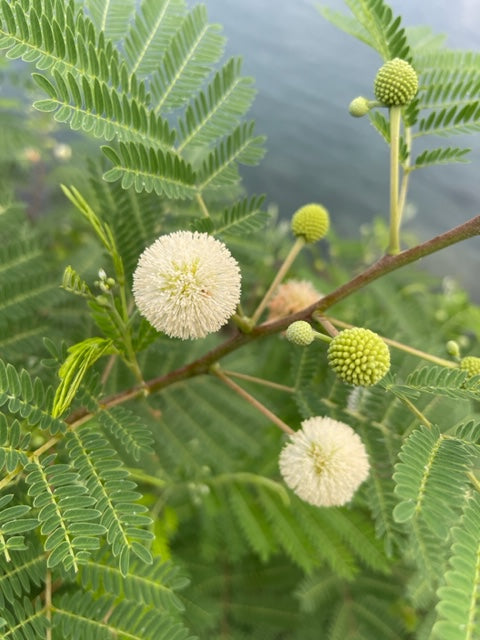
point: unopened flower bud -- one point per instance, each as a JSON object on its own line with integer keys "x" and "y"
{"x": 359, "y": 356}
{"x": 359, "y": 107}
{"x": 396, "y": 83}
{"x": 311, "y": 222}
{"x": 453, "y": 349}
{"x": 300, "y": 332}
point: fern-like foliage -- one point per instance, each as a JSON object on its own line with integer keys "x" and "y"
{"x": 29, "y": 295}
{"x": 151, "y": 32}
{"x": 364, "y": 614}
{"x": 458, "y": 606}
{"x": 26, "y": 619}
{"x": 22, "y": 574}
{"x": 431, "y": 479}
{"x": 155, "y": 585}
{"x": 242, "y": 218}
{"x": 89, "y": 87}
{"x": 111, "y": 17}
{"x": 147, "y": 169}
{"x": 128, "y": 430}
{"x": 14, "y": 444}
{"x": 451, "y": 383}
{"x": 374, "y": 23}
{"x": 114, "y": 495}
{"x": 220, "y": 167}
{"x": 82, "y": 615}
{"x": 99, "y": 110}
{"x": 216, "y": 110}
{"x": 12, "y": 524}
{"x": 194, "y": 49}
{"x": 66, "y": 512}
{"x": 27, "y": 398}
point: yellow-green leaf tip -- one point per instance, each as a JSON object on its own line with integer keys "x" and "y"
{"x": 471, "y": 365}
{"x": 311, "y": 222}
{"x": 359, "y": 357}
{"x": 300, "y": 332}
{"x": 396, "y": 83}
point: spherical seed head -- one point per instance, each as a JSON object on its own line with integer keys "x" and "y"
{"x": 324, "y": 462}
{"x": 300, "y": 332}
{"x": 359, "y": 107}
{"x": 311, "y": 222}
{"x": 359, "y": 356}
{"x": 396, "y": 83}
{"x": 186, "y": 284}
{"x": 471, "y": 365}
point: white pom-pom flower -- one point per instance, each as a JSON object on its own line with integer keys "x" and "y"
{"x": 187, "y": 284}
{"x": 325, "y": 462}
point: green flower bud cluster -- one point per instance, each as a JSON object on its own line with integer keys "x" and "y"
{"x": 471, "y": 365}
{"x": 104, "y": 282}
{"x": 311, "y": 222}
{"x": 359, "y": 357}
{"x": 396, "y": 83}
{"x": 300, "y": 333}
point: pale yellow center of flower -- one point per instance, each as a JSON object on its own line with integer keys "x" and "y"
{"x": 320, "y": 458}
{"x": 184, "y": 280}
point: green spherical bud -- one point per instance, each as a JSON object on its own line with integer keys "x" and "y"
{"x": 471, "y": 365}
{"x": 359, "y": 107}
{"x": 452, "y": 348}
{"x": 359, "y": 356}
{"x": 300, "y": 332}
{"x": 396, "y": 83}
{"x": 311, "y": 222}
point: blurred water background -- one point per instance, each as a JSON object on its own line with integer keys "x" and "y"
{"x": 306, "y": 72}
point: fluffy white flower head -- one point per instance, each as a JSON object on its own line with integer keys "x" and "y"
{"x": 325, "y": 462}
{"x": 187, "y": 284}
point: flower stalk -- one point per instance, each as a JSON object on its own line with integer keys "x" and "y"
{"x": 395, "y": 213}
{"x": 287, "y": 263}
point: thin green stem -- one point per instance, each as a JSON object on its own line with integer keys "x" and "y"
{"x": 322, "y": 336}
{"x": 131, "y": 356}
{"x": 395, "y": 119}
{"x": 216, "y": 370}
{"x": 260, "y": 381}
{"x": 48, "y": 602}
{"x": 423, "y": 419}
{"x": 474, "y": 480}
{"x": 203, "y": 206}
{"x": 406, "y": 174}
{"x": 287, "y": 263}
{"x": 326, "y": 324}
{"x": 251, "y": 478}
{"x": 146, "y": 478}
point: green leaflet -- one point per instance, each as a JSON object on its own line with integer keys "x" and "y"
{"x": 80, "y": 358}
{"x": 458, "y": 604}
{"x": 431, "y": 479}
{"x": 373, "y": 23}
